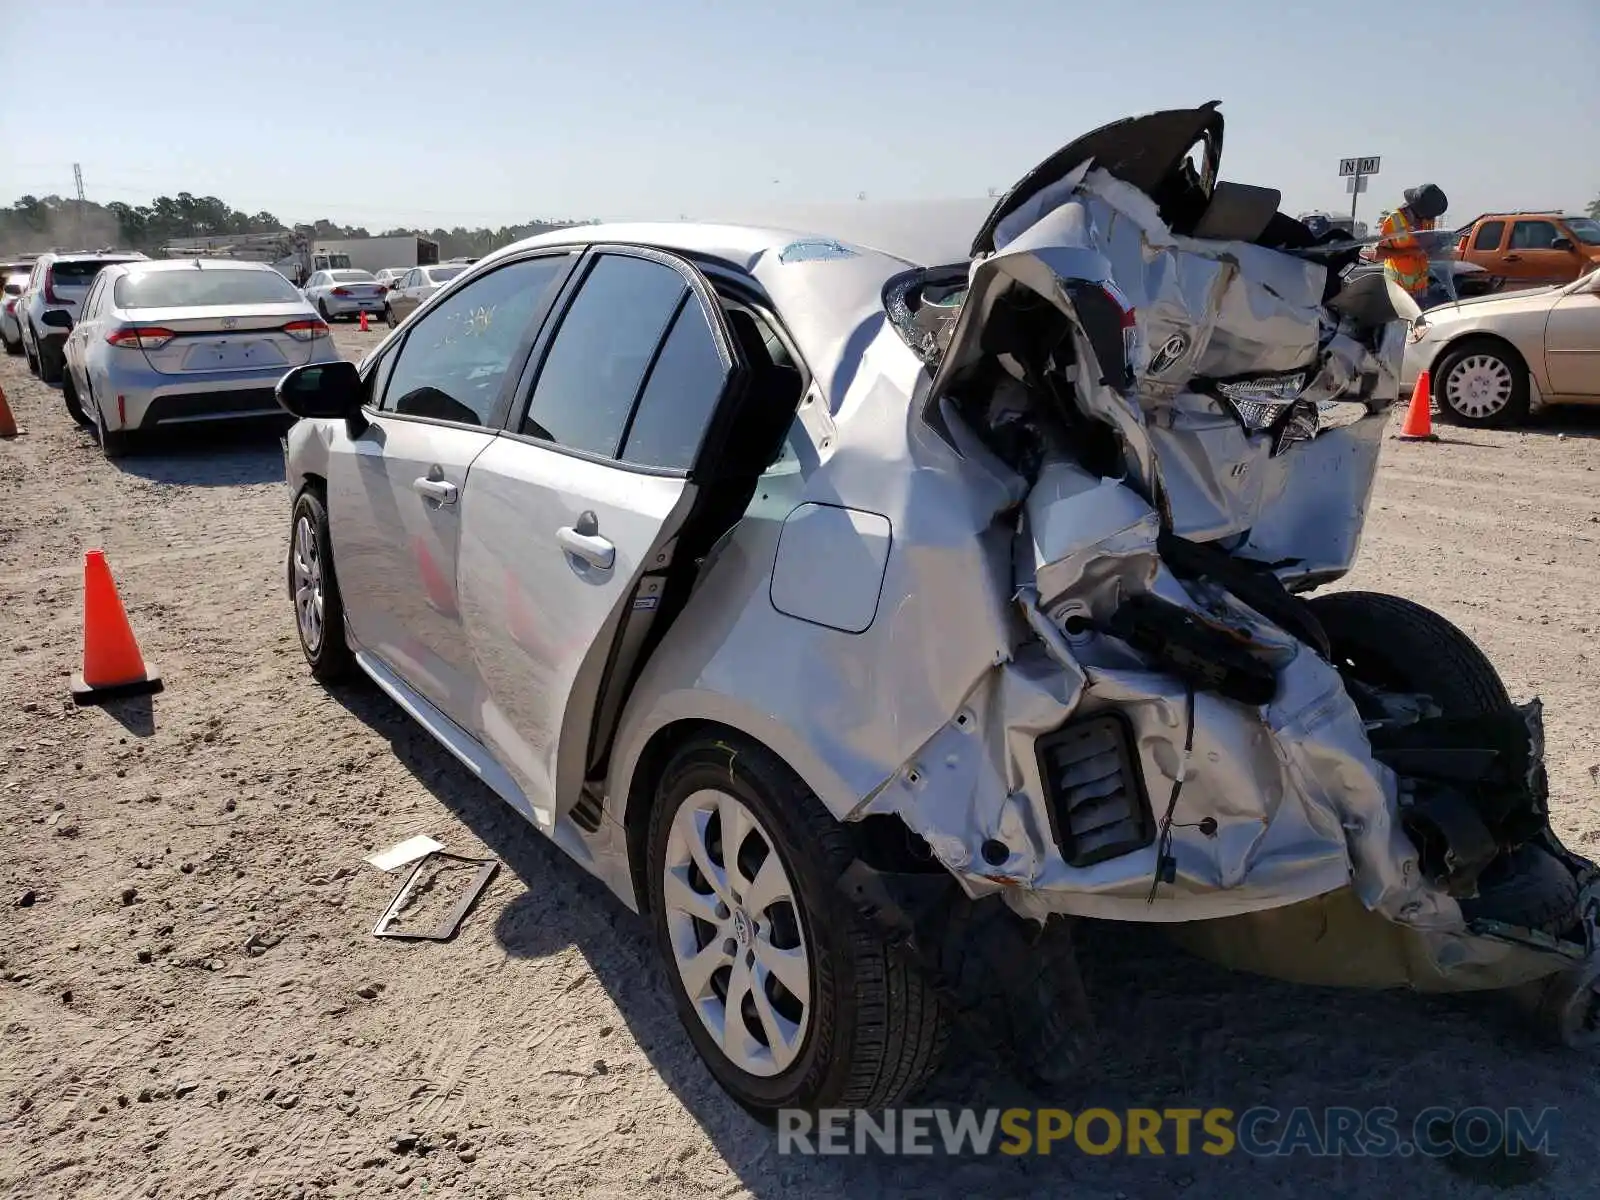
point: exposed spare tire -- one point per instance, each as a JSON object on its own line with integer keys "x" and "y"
{"x": 1390, "y": 642}
{"x": 1527, "y": 888}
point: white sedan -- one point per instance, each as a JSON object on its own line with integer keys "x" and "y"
{"x": 345, "y": 293}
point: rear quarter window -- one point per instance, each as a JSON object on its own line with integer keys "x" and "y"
{"x": 199, "y": 289}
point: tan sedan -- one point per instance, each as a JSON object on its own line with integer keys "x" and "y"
{"x": 1492, "y": 359}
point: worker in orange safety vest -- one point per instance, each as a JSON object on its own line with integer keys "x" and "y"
{"x": 1404, "y": 259}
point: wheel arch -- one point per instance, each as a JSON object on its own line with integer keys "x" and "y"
{"x": 634, "y": 797}
{"x": 1499, "y": 340}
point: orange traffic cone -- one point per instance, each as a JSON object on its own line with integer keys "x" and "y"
{"x": 112, "y": 664}
{"x": 1418, "y": 425}
{"x": 8, "y": 423}
{"x": 363, "y": 320}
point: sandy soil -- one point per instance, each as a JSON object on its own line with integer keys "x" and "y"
{"x": 192, "y": 1003}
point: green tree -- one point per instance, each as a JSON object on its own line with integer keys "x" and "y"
{"x": 1594, "y": 208}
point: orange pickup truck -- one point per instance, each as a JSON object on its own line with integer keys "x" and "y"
{"x": 1529, "y": 249}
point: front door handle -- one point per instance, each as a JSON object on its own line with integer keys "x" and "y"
{"x": 435, "y": 489}
{"x": 1513, "y": 258}
{"x": 590, "y": 546}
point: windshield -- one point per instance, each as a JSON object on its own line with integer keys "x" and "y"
{"x": 351, "y": 276}
{"x": 440, "y": 274}
{"x": 203, "y": 288}
{"x": 1585, "y": 229}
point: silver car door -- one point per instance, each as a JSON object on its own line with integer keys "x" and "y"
{"x": 395, "y": 493}
{"x": 1572, "y": 341}
{"x": 570, "y": 527}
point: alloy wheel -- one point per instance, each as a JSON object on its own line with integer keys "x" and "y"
{"x": 1479, "y": 386}
{"x": 737, "y": 940}
{"x": 308, "y": 599}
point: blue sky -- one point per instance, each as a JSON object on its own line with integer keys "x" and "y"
{"x": 493, "y": 111}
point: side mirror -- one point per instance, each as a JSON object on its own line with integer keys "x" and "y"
{"x": 57, "y": 318}
{"x": 324, "y": 390}
{"x": 1561, "y": 243}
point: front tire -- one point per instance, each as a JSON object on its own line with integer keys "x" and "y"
{"x": 388, "y": 317}
{"x": 743, "y": 871}
{"x": 322, "y": 311}
{"x": 314, "y": 590}
{"x": 1482, "y": 382}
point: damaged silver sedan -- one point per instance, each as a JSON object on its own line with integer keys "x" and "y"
{"x": 867, "y": 622}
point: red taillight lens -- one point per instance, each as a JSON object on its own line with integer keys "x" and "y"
{"x": 340, "y": 292}
{"x": 11, "y": 306}
{"x": 306, "y": 331}
{"x": 144, "y": 337}
{"x": 383, "y": 289}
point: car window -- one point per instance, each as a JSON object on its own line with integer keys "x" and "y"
{"x": 678, "y": 398}
{"x": 351, "y": 277}
{"x": 441, "y": 274}
{"x": 315, "y": 280}
{"x": 454, "y": 360}
{"x": 195, "y": 289}
{"x": 591, "y": 375}
{"x": 80, "y": 273}
{"x": 1532, "y": 235}
{"x": 1585, "y": 229}
{"x": 1488, "y": 235}
{"x": 410, "y": 281}
{"x": 91, "y": 302}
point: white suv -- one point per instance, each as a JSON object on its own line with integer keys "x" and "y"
{"x": 48, "y": 308}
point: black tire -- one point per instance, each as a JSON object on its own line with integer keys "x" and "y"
{"x": 69, "y": 397}
{"x": 329, "y": 658}
{"x": 1389, "y": 642}
{"x": 876, "y": 1028}
{"x": 51, "y": 361}
{"x": 13, "y": 348}
{"x": 322, "y": 311}
{"x": 388, "y": 317}
{"x": 1515, "y": 410}
{"x": 1527, "y": 888}
{"x": 33, "y": 359}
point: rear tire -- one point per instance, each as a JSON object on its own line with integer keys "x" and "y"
{"x": 314, "y": 588}
{"x": 33, "y": 358}
{"x": 322, "y": 311}
{"x": 13, "y": 348}
{"x": 69, "y": 397}
{"x": 51, "y": 362}
{"x": 1482, "y": 382}
{"x": 1526, "y": 888}
{"x": 388, "y": 317}
{"x": 871, "y": 1029}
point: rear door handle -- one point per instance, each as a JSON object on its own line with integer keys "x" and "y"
{"x": 590, "y": 547}
{"x": 435, "y": 489}
{"x": 1513, "y": 258}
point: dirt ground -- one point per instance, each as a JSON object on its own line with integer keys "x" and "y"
{"x": 192, "y": 1003}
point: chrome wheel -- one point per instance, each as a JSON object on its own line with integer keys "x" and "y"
{"x": 307, "y": 565}
{"x": 1479, "y": 386}
{"x": 737, "y": 940}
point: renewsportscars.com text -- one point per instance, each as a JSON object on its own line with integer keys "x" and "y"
{"x": 1260, "y": 1131}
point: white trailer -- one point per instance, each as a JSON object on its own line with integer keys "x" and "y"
{"x": 376, "y": 253}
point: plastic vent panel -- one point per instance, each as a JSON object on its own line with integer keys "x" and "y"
{"x": 1094, "y": 790}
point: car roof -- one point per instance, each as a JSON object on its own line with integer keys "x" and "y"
{"x": 96, "y": 256}
{"x": 191, "y": 264}
{"x": 829, "y": 292}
